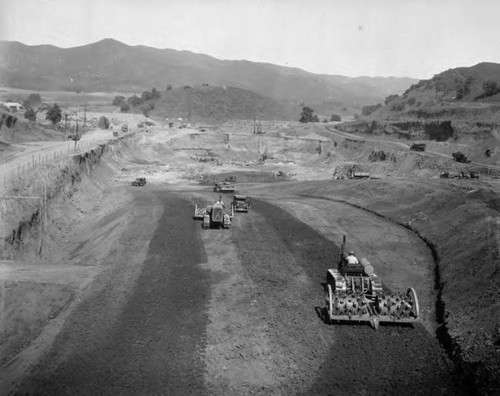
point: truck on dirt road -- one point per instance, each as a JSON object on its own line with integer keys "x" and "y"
{"x": 241, "y": 203}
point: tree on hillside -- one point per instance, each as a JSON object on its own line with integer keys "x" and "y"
{"x": 169, "y": 88}
{"x": 147, "y": 107}
{"x": 390, "y": 98}
{"x": 30, "y": 114}
{"x": 103, "y": 123}
{"x": 54, "y": 114}
{"x": 134, "y": 101}
{"x": 335, "y": 117}
{"x": 490, "y": 88}
{"x": 155, "y": 94}
{"x": 146, "y": 95}
{"x": 367, "y": 110}
{"x": 307, "y": 115}
{"x": 125, "y": 107}
{"x": 33, "y": 101}
{"x": 118, "y": 100}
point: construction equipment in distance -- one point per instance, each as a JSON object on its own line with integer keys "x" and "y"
{"x": 358, "y": 175}
{"x": 241, "y": 203}
{"x": 224, "y": 187}
{"x": 214, "y": 215}
{"x": 140, "y": 181}
{"x": 355, "y": 293}
{"x": 418, "y": 147}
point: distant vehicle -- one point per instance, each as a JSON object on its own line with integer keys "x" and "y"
{"x": 460, "y": 157}
{"x": 241, "y": 203}
{"x": 469, "y": 175}
{"x": 224, "y": 187}
{"x": 418, "y": 147}
{"x": 140, "y": 181}
{"x": 359, "y": 175}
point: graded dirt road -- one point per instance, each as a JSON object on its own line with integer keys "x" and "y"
{"x": 232, "y": 312}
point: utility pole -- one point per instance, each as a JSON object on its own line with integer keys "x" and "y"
{"x": 84, "y": 117}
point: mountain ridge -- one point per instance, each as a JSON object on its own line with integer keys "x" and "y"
{"x": 110, "y": 65}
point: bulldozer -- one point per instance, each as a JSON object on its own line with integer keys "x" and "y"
{"x": 355, "y": 294}
{"x": 214, "y": 215}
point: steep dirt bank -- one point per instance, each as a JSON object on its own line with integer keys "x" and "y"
{"x": 466, "y": 274}
{"x": 42, "y": 271}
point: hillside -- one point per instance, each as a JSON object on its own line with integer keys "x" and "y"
{"x": 465, "y": 93}
{"x": 217, "y": 104}
{"x": 109, "y": 65}
{"x": 459, "y": 106}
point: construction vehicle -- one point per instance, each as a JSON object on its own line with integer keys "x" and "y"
{"x": 355, "y": 293}
{"x": 241, "y": 203}
{"x": 214, "y": 215}
{"x": 139, "y": 181}
{"x": 460, "y": 157}
{"x": 418, "y": 147}
{"x": 358, "y": 175}
{"x": 224, "y": 187}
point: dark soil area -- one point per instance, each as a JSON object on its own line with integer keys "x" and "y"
{"x": 276, "y": 250}
{"x": 156, "y": 343}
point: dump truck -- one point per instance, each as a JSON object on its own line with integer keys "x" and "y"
{"x": 355, "y": 294}
{"x": 214, "y": 215}
{"x": 241, "y": 203}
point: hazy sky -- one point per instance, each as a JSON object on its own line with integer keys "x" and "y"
{"x": 415, "y": 38}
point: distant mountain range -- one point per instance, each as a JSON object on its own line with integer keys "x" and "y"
{"x": 110, "y": 65}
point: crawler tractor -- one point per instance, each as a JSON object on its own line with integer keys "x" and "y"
{"x": 355, "y": 293}
{"x": 224, "y": 187}
{"x": 214, "y": 215}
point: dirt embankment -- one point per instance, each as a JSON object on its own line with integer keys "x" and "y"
{"x": 40, "y": 268}
{"x": 461, "y": 226}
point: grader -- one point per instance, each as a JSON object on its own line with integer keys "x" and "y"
{"x": 355, "y": 293}
{"x": 214, "y": 215}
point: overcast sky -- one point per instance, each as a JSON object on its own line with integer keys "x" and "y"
{"x": 414, "y": 38}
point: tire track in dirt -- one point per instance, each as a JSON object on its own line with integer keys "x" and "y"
{"x": 238, "y": 348}
{"x": 287, "y": 260}
{"x": 156, "y": 344}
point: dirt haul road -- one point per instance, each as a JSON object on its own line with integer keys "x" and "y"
{"x": 231, "y": 312}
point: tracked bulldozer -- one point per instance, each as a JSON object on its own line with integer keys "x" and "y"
{"x": 355, "y": 293}
{"x": 214, "y": 215}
